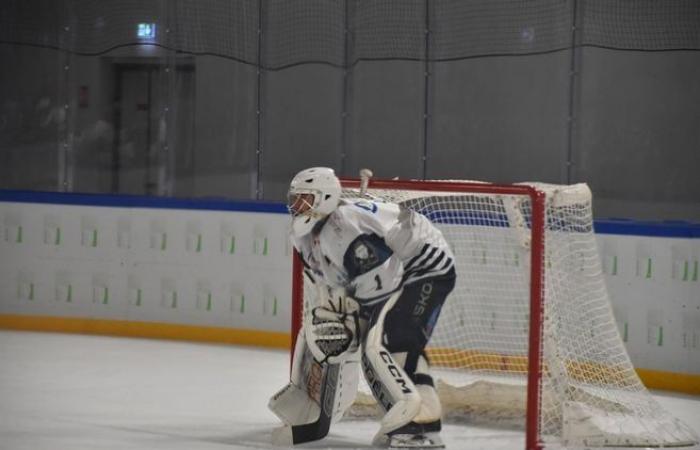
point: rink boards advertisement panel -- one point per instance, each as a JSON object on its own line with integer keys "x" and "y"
{"x": 205, "y": 270}
{"x": 216, "y": 270}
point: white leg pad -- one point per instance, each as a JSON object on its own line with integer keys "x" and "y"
{"x": 392, "y": 388}
{"x": 293, "y": 406}
{"x": 298, "y": 402}
{"x": 282, "y": 436}
{"x": 430, "y": 407}
{"x": 390, "y": 385}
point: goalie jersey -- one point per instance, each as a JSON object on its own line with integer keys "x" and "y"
{"x": 372, "y": 249}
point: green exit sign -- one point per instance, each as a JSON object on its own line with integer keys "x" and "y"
{"x": 146, "y": 31}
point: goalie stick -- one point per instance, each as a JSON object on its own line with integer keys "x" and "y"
{"x": 319, "y": 429}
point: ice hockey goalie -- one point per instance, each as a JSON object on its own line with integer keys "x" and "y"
{"x": 381, "y": 274}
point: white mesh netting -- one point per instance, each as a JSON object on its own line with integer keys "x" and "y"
{"x": 590, "y": 392}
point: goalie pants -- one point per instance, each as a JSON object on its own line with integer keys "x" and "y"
{"x": 410, "y": 323}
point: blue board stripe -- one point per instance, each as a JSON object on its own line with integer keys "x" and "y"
{"x": 138, "y": 201}
{"x": 647, "y": 228}
{"x": 607, "y": 226}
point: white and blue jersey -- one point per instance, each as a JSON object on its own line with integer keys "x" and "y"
{"x": 373, "y": 248}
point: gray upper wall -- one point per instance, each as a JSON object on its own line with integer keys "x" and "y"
{"x": 231, "y": 98}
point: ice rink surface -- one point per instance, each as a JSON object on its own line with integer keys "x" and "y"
{"x": 71, "y": 392}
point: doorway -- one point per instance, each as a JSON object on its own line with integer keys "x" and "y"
{"x": 154, "y": 122}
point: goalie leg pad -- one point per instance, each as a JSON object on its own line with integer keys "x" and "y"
{"x": 390, "y": 385}
{"x": 317, "y": 395}
{"x": 293, "y": 406}
{"x": 431, "y": 409}
{"x": 298, "y": 402}
{"x": 407, "y": 327}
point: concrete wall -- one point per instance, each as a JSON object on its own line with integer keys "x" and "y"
{"x": 637, "y": 138}
{"x": 492, "y": 92}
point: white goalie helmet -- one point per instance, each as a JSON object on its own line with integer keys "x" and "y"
{"x": 314, "y": 193}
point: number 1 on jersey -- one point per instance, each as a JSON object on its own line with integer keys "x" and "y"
{"x": 379, "y": 282}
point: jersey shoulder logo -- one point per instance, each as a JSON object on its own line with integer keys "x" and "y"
{"x": 365, "y": 259}
{"x": 365, "y": 253}
{"x": 367, "y": 205}
{"x": 362, "y": 253}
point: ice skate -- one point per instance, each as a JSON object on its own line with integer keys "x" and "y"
{"x": 422, "y": 440}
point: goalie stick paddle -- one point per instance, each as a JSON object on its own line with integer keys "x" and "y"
{"x": 319, "y": 429}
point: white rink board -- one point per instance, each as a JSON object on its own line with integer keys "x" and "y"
{"x": 233, "y": 269}
{"x": 654, "y": 288}
{"x": 212, "y": 268}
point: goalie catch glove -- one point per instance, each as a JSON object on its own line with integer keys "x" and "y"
{"x": 333, "y": 334}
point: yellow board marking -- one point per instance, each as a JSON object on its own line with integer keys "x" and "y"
{"x": 152, "y": 330}
{"x": 652, "y": 379}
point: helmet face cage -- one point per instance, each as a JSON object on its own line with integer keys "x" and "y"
{"x": 301, "y": 203}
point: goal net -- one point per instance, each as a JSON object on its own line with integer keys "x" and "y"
{"x": 528, "y": 334}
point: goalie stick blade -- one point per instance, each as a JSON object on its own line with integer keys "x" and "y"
{"x": 319, "y": 429}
